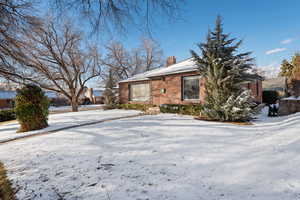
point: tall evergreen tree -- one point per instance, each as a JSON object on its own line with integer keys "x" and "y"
{"x": 224, "y": 70}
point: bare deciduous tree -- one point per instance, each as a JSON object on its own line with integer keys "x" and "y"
{"x": 120, "y": 14}
{"x": 151, "y": 54}
{"x": 15, "y": 16}
{"x": 118, "y": 61}
{"x": 55, "y": 58}
{"x": 125, "y": 63}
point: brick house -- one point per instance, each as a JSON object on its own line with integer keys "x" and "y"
{"x": 6, "y": 99}
{"x": 176, "y": 83}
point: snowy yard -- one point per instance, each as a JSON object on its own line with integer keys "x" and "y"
{"x": 160, "y": 157}
{"x": 69, "y": 108}
{"x": 58, "y": 121}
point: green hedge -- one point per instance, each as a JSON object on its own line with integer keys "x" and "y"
{"x": 6, "y": 115}
{"x": 142, "y": 107}
{"x": 193, "y": 109}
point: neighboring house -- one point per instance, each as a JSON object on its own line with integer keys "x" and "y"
{"x": 176, "y": 83}
{"x": 275, "y": 84}
{"x": 7, "y": 97}
{"x": 96, "y": 94}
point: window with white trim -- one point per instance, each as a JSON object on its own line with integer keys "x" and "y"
{"x": 191, "y": 87}
{"x": 140, "y": 92}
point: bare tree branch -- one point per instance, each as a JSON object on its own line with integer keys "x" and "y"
{"x": 120, "y": 14}
{"x": 55, "y": 58}
{"x": 123, "y": 63}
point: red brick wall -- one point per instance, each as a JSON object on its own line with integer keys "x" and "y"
{"x": 256, "y": 90}
{"x": 172, "y": 86}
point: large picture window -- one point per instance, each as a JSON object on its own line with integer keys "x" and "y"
{"x": 190, "y": 88}
{"x": 140, "y": 92}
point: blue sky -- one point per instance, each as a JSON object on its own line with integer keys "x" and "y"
{"x": 269, "y": 28}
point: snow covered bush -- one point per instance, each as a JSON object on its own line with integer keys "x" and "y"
{"x": 236, "y": 108}
{"x": 31, "y": 108}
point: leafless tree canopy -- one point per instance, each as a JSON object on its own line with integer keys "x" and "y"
{"x": 125, "y": 63}
{"x": 15, "y": 17}
{"x": 55, "y": 58}
{"x": 118, "y": 14}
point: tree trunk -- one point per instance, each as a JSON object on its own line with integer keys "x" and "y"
{"x": 74, "y": 104}
{"x": 286, "y": 87}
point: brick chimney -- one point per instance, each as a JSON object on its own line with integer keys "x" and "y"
{"x": 171, "y": 60}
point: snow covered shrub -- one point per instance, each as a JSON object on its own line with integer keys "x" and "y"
{"x": 236, "y": 108}
{"x": 31, "y": 108}
{"x": 6, "y": 115}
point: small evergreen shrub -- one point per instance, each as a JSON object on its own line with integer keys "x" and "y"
{"x": 270, "y": 97}
{"x": 31, "y": 108}
{"x": 6, "y": 115}
{"x": 142, "y": 107}
{"x": 193, "y": 109}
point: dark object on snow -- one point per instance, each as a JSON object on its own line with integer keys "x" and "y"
{"x": 273, "y": 110}
{"x": 270, "y": 96}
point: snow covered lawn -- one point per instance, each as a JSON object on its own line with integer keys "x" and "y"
{"x": 69, "y": 108}
{"x": 57, "y": 121}
{"x": 160, "y": 157}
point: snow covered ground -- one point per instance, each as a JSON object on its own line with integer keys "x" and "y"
{"x": 160, "y": 157}
{"x": 68, "y": 108}
{"x": 57, "y": 121}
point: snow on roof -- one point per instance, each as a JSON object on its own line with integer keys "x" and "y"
{"x": 187, "y": 65}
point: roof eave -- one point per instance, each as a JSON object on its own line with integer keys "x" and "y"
{"x": 160, "y": 75}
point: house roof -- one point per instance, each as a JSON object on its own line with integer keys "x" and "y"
{"x": 187, "y": 65}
